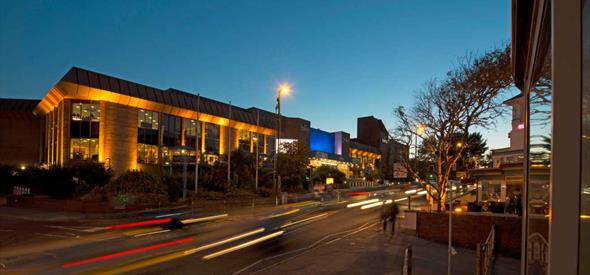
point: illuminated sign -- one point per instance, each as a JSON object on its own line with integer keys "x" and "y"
{"x": 329, "y": 180}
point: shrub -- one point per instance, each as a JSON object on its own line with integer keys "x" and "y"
{"x": 174, "y": 186}
{"x": 138, "y": 187}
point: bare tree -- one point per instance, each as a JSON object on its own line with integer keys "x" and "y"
{"x": 444, "y": 113}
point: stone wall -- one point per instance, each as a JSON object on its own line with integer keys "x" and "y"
{"x": 470, "y": 229}
{"x": 118, "y": 136}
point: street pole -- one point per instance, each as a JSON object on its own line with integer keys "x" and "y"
{"x": 276, "y": 156}
{"x": 257, "y": 146}
{"x": 197, "y": 135}
{"x": 229, "y": 147}
{"x": 450, "y": 245}
{"x": 184, "y": 166}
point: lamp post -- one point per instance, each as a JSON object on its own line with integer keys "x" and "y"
{"x": 284, "y": 89}
{"x": 419, "y": 130}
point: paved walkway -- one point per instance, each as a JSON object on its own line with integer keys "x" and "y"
{"x": 373, "y": 252}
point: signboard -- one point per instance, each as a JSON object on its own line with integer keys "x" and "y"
{"x": 329, "y": 180}
{"x": 399, "y": 171}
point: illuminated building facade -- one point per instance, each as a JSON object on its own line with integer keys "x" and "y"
{"x": 88, "y": 116}
{"x": 91, "y": 116}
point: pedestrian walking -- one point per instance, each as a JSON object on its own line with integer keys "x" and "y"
{"x": 393, "y": 216}
{"x": 385, "y": 213}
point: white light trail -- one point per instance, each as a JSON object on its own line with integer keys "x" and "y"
{"x": 187, "y": 221}
{"x": 367, "y": 206}
{"x": 361, "y": 203}
{"x": 231, "y": 239}
{"x": 244, "y": 245}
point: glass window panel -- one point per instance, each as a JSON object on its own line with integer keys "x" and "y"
{"x": 270, "y": 145}
{"x": 539, "y": 162}
{"x": 212, "y": 138}
{"x": 585, "y": 177}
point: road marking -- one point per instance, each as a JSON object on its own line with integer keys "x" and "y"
{"x": 70, "y": 235}
{"x": 293, "y": 211}
{"x": 188, "y": 221}
{"x": 304, "y": 220}
{"x": 170, "y": 215}
{"x": 80, "y": 229}
{"x": 151, "y": 233}
{"x": 304, "y": 249}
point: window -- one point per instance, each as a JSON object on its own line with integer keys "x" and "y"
{"x": 585, "y": 156}
{"x": 85, "y": 111}
{"x": 147, "y": 137}
{"x": 270, "y": 145}
{"x": 244, "y": 140}
{"x": 172, "y": 130}
{"x": 192, "y": 133}
{"x": 258, "y": 140}
{"x": 84, "y": 149}
{"x": 84, "y": 130}
{"x": 212, "y": 138}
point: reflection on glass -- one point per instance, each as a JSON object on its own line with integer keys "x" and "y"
{"x": 539, "y": 163}
{"x": 244, "y": 140}
{"x": 192, "y": 133}
{"x": 84, "y": 149}
{"x": 270, "y": 145}
{"x": 212, "y": 138}
{"x": 585, "y": 184}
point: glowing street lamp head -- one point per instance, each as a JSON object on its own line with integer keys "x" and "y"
{"x": 284, "y": 89}
{"x": 459, "y": 144}
{"x": 420, "y": 129}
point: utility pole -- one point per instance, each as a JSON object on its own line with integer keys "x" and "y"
{"x": 257, "y": 146}
{"x": 229, "y": 147}
{"x": 197, "y": 135}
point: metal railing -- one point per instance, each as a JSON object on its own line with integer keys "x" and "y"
{"x": 407, "y": 265}
{"x": 485, "y": 254}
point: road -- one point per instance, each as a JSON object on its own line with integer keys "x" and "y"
{"x": 243, "y": 242}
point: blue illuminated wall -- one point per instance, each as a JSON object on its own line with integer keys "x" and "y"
{"x": 321, "y": 141}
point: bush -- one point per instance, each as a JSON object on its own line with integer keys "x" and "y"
{"x": 138, "y": 187}
{"x": 174, "y": 186}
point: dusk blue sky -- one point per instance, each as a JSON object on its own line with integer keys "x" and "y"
{"x": 345, "y": 59}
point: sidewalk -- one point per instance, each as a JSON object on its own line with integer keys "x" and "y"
{"x": 373, "y": 252}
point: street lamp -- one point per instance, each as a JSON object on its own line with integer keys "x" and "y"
{"x": 419, "y": 130}
{"x": 283, "y": 89}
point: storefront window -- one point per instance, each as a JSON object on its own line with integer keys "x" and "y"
{"x": 585, "y": 184}
{"x": 212, "y": 138}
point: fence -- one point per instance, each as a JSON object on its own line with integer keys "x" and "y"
{"x": 484, "y": 254}
{"x": 19, "y": 190}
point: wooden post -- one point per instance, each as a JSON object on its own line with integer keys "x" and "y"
{"x": 478, "y": 259}
{"x": 407, "y": 268}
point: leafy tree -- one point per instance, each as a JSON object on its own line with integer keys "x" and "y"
{"x": 446, "y": 111}
{"x": 293, "y": 162}
{"x": 325, "y": 171}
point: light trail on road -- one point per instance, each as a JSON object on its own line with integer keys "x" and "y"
{"x": 304, "y": 220}
{"x": 244, "y": 245}
{"x": 367, "y": 206}
{"x": 361, "y": 203}
{"x": 137, "y": 224}
{"x": 285, "y": 213}
{"x": 128, "y": 252}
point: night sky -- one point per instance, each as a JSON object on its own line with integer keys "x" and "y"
{"x": 344, "y": 59}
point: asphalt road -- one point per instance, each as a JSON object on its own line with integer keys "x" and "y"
{"x": 209, "y": 243}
